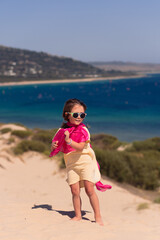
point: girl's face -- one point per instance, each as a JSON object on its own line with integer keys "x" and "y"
{"x": 78, "y": 109}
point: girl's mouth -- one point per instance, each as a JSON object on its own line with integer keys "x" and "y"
{"x": 78, "y": 120}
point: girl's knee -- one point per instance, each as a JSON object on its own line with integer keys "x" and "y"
{"x": 75, "y": 190}
{"x": 89, "y": 189}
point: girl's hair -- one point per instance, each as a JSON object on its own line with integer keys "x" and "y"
{"x": 69, "y": 104}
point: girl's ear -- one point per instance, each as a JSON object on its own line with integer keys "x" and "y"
{"x": 66, "y": 116}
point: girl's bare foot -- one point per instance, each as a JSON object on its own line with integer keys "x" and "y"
{"x": 76, "y": 218}
{"x": 99, "y": 221}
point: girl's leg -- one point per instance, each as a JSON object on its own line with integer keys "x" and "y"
{"x": 75, "y": 189}
{"x": 89, "y": 188}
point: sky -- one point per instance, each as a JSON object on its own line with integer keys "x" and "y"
{"x": 86, "y": 30}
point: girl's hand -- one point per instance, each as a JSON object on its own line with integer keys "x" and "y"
{"x": 54, "y": 145}
{"x": 66, "y": 133}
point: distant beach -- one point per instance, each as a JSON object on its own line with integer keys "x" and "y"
{"x": 68, "y": 80}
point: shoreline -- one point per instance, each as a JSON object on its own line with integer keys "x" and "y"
{"x": 69, "y": 80}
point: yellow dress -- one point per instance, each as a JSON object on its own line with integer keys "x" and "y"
{"x": 82, "y": 165}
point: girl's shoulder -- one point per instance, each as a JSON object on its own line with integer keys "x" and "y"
{"x": 86, "y": 132}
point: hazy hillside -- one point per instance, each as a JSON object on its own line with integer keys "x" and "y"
{"x": 19, "y": 64}
{"x": 127, "y": 66}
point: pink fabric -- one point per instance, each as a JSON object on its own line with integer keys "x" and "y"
{"x": 100, "y": 186}
{"x": 77, "y": 134}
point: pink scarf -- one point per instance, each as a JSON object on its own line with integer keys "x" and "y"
{"x": 100, "y": 186}
{"x": 77, "y": 134}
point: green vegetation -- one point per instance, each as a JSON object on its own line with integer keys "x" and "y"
{"x": 142, "y": 206}
{"x": 157, "y": 200}
{"x": 11, "y": 140}
{"x": 61, "y": 161}
{"x": 105, "y": 141}
{"x": 140, "y": 171}
{"x": 138, "y": 165}
{"x": 149, "y": 144}
{"x": 5, "y": 130}
{"x": 22, "y": 133}
{"x": 44, "y": 136}
{"x": 29, "y": 145}
{"x": 36, "y": 140}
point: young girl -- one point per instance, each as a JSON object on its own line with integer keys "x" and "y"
{"x": 73, "y": 139}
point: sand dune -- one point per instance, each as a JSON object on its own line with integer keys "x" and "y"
{"x": 36, "y": 205}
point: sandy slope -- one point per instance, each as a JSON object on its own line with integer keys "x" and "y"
{"x": 36, "y": 205}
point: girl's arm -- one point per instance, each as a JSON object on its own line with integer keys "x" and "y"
{"x": 73, "y": 144}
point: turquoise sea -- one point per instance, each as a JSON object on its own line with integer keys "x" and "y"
{"x": 126, "y": 108}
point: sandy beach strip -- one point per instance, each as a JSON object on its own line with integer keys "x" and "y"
{"x": 69, "y": 80}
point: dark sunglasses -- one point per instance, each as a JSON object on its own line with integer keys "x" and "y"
{"x": 76, "y": 114}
